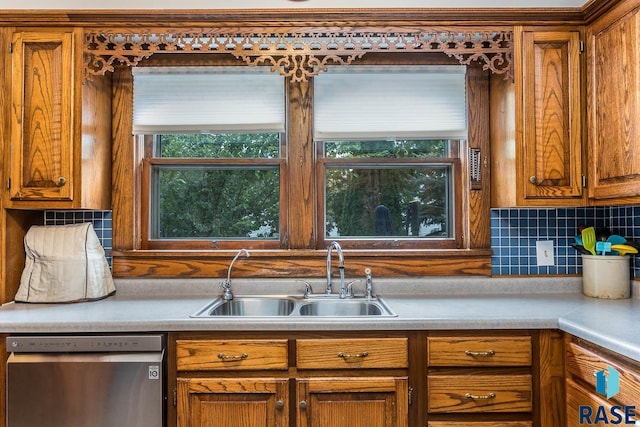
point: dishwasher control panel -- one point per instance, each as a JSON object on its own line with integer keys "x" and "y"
{"x": 84, "y": 343}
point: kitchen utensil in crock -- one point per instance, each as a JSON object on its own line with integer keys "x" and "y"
{"x": 589, "y": 239}
{"x": 624, "y": 249}
{"x": 615, "y": 239}
{"x": 580, "y": 249}
{"x": 603, "y": 247}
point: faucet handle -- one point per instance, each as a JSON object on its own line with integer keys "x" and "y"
{"x": 349, "y": 290}
{"x": 308, "y": 290}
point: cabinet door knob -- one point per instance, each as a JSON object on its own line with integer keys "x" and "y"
{"x": 303, "y": 404}
{"x": 62, "y": 181}
{"x": 280, "y": 404}
{"x": 533, "y": 179}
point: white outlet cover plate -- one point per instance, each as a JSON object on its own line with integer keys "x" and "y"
{"x": 544, "y": 252}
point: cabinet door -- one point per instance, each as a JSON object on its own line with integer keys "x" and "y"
{"x": 42, "y": 122}
{"x": 549, "y": 148}
{"x": 352, "y": 402}
{"x": 613, "y": 90}
{"x": 237, "y": 402}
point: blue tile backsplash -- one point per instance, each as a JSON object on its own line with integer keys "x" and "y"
{"x": 514, "y": 233}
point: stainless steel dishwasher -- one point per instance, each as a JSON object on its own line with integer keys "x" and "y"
{"x": 85, "y": 381}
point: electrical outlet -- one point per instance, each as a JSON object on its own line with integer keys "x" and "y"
{"x": 544, "y": 252}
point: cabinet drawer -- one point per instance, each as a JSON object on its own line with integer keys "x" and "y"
{"x": 583, "y": 363}
{"x": 479, "y": 351}
{"x": 479, "y": 393}
{"x": 207, "y": 355}
{"x": 586, "y": 408}
{"x": 352, "y": 353}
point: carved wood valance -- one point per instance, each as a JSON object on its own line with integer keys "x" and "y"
{"x": 298, "y": 53}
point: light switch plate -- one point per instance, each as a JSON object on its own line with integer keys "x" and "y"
{"x": 544, "y": 252}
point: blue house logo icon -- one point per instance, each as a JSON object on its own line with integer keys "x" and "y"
{"x": 607, "y": 382}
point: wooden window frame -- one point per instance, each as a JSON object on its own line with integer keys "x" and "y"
{"x": 302, "y": 250}
{"x": 454, "y": 242}
{"x": 149, "y": 160}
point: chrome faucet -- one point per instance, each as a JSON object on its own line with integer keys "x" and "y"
{"x": 226, "y": 284}
{"x": 335, "y": 245}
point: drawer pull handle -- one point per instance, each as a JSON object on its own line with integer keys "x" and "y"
{"x": 353, "y": 356}
{"x": 480, "y": 353}
{"x": 223, "y": 356}
{"x": 480, "y": 397}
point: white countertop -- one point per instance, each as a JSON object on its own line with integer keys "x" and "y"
{"x": 421, "y": 304}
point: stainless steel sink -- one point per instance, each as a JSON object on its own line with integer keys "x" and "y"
{"x": 270, "y": 306}
{"x": 345, "y": 308}
{"x": 258, "y": 306}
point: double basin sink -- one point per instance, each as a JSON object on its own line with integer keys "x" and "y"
{"x": 320, "y": 305}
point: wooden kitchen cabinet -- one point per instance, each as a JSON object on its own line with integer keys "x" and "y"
{"x": 473, "y": 380}
{"x": 233, "y": 402}
{"x": 361, "y": 399}
{"x": 338, "y": 381}
{"x": 613, "y": 105}
{"x": 549, "y": 168}
{"x": 584, "y": 361}
{"x": 537, "y": 145}
{"x": 59, "y": 153}
{"x": 210, "y": 398}
{"x": 352, "y": 402}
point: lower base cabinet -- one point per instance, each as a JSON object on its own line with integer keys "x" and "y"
{"x": 511, "y": 378}
{"x": 479, "y": 380}
{"x": 352, "y": 402}
{"x": 330, "y": 382}
{"x": 602, "y": 388}
{"x": 228, "y": 402}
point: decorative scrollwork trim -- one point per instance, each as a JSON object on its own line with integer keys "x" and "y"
{"x": 298, "y": 53}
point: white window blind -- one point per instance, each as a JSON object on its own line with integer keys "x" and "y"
{"x": 207, "y": 99}
{"x": 389, "y": 102}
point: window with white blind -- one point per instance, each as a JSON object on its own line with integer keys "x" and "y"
{"x": 389, "y": 140}
{"x": 388, "y": 144}
{"x": 212, "y": 138}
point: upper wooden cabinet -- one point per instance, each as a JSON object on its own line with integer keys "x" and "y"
{"x": 59, "y": 154}
{"x": 536, "y": 128}
{"x": 548, "y": 120}
{"x": 613, "y": 91}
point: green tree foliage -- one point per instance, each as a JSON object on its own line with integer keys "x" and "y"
{"x": 416, "y": 196}
{"x": 218, "y": 202}
{"x": 197, "y": 201}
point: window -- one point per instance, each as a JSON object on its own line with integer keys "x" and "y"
{"x": 389, "y": 141}
{"x": 212, "y": 148}
{"x": 377, "y": 157}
